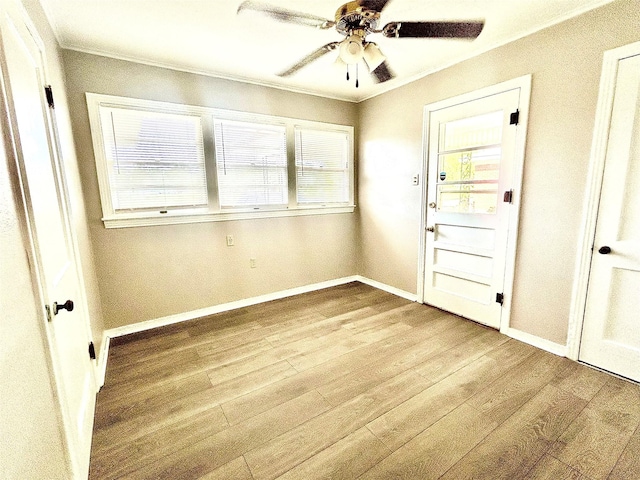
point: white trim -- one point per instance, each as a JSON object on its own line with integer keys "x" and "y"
{"x": 177, "y": 217}
{"x": 523, "y": 84}
{"x": 538, "y": 342}
{"x": 412, "y": 297}
{"x": 594, "y": 188}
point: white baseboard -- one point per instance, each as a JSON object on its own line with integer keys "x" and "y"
{"x": 387, "y": 288}
{"x": 538, "y": 342}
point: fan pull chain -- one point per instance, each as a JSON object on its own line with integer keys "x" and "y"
{"x": 347, "y": 72}
{"x": 357, "y": 83}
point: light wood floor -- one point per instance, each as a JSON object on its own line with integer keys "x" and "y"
{"x": 354, "y": 383}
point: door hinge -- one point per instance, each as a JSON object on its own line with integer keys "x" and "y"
{"x": 500, "y": 298}
{"x": 514, "y": 118}
{"x": 508, "y": 196}
{"x": 48, "y": 91}
{"x": 92, "y": 351}
{"x": 48, "y": 309}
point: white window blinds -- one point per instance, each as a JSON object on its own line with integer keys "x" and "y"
{"x": 154, "y": 160}
{"x": 251, "y": 161}
{"x": 322, "y": 166}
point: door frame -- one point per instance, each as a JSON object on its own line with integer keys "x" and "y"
{"x": 17, "y": 168}
{"x": 524, "y": 84}
{"x": 595, "y": 177}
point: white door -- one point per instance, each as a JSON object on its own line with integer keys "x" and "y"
{"x": 67, "y": 330}
{"x": 471, "y": 151}
{"x": 611, "y": 330}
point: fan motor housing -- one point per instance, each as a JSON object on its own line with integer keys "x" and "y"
{"x": 352, "y": 16}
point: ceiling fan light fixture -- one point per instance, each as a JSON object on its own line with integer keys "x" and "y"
{"x": 351, "y": 49}
{"x": 373, "y": 57}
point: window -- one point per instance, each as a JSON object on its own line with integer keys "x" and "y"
{"x": 154, "y": 160}
{"x": 252, "y": 164}
{"x": 322, "y": 166}
{"x": 162, "y": 163}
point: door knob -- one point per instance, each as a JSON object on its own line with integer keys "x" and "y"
{"x": 604, "y": 250}
{"x": 432, "y": 204}
{"x": 431, "y": 229}
{"x": 68, "y": 306}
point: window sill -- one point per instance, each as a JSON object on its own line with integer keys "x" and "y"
{"x": 148, "y": 219}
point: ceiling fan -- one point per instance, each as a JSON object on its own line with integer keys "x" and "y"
{"x": 355, "y": 20}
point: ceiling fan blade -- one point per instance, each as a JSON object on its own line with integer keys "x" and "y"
{"x": 284, "y": 15}
{"x": 376, "y": 5}
{"x": 313, "y": 56}
{"x": 382, "y": 73}
{"x": 433, "y": 29}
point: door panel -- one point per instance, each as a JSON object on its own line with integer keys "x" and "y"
{"x": 50, "y": 231}
{"x": 470, "y": 165}
{"x": 611, "y": 331}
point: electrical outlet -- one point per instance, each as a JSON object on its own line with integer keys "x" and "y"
{"x": 252, "y": 262}
{"x": 416, "y": 179}
{"x": 230, "y": 241}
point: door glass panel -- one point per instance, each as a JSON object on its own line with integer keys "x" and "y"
{"x": 470, "y": 165}
{"x": 467, "y": 198}
{"x": 469, "y": 157}
{"x": 481, "y": 130}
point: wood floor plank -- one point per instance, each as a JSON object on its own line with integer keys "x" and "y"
{"x": 319, "y": 327}
{"x": 503, "y": 397}
{"x": 408, "y": 419}
{"x": 628, "y": 464}
{"x": 146, "y": 349}
{"x": 376, "y": 372}
{"x": 347, "y": 458}
{"x": 510, "y": 451}
{"x": 596, "y": 439}
{"x": 301, "y": 443}
{"x": 121, "y": 458}
{"x": 204, "y": 457}
{"x": 447, "y": 362}
{"x": 236, "y": 469}
{"x": 431, "y": 453}
{"x": 130, "y": 429}
{"x": 331, "y": 349}
{"x": 157, "y": 369}
{"x": 580, "y": 380}
{"x": 110, "y": 410}
{"x": 550, "y": 468}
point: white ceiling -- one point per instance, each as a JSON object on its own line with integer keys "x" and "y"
{"x": 207, "y": 36}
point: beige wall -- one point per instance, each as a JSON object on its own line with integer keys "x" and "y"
{"x": 565, "y": 63}
{"x": 146, "y": 273}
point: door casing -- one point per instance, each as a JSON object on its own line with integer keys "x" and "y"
{"x": 524, "y": 84}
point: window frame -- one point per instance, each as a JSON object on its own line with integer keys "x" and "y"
{"x": 213, "y": 212}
